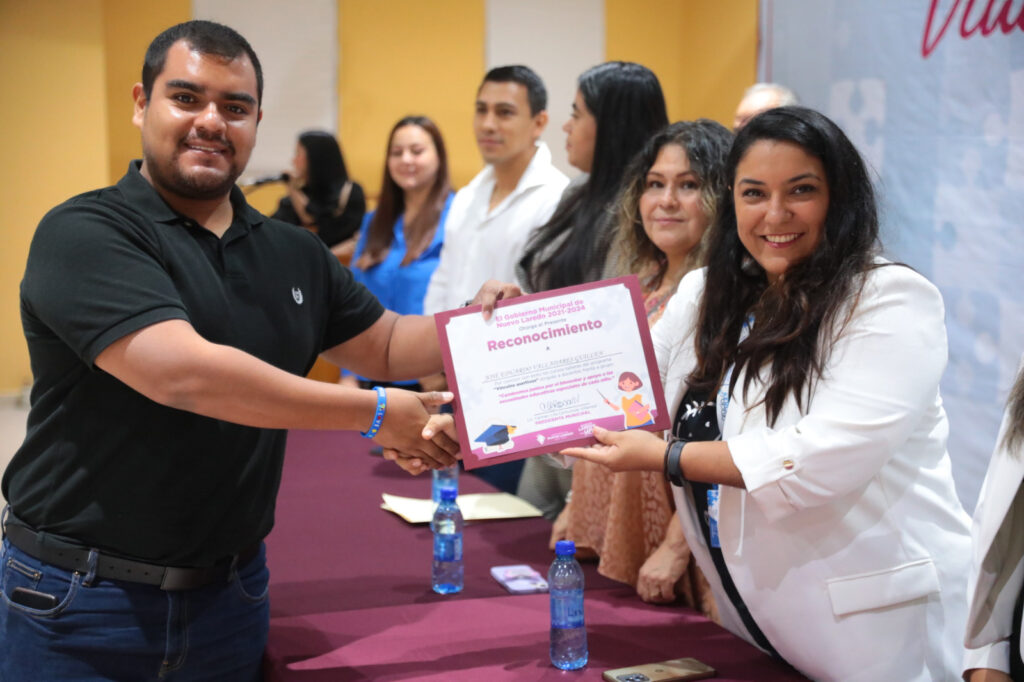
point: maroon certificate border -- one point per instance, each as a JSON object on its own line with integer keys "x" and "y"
{"x": 470, "y": 459}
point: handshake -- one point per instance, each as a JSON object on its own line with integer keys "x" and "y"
{"x": 405, "y": 425}
{"x": 420, "y": 440}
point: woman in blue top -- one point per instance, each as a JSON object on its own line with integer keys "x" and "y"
{"x": 400, "y": 243}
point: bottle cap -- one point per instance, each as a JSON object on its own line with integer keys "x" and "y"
{"x": 449, "y": 494}
{"x": 565, "y": 548}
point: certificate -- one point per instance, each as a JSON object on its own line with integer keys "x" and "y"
{"x": 546, "y": 368}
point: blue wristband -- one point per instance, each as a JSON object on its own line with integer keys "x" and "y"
{"x": 378, "y": 415}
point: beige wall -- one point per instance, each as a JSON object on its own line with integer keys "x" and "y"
{"x": 69, "y": 65}
{"x": 725, "y": 33}
{"x": 128, "y": 28}
{"x": 703, "y": 51}
{"x": 391, "y": 64}
{"x": 55, "y": 137}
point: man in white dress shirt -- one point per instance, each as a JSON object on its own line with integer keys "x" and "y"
{"x": 517, "y": 191}
{"x": 492, "y": 217}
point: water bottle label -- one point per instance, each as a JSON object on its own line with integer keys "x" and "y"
{"x": 448, "y": 547}
{"x": 444, "y": 526}
{"x": 566, "y": 608}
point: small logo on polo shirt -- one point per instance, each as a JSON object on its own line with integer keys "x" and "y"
{"x": 297, "y": 295}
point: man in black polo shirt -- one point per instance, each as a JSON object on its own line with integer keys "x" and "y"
{"x": 169, "y": 327}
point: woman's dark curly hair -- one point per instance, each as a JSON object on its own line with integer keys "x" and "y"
{"x": 791, "y": 314}
{"x": 706, "y": 144}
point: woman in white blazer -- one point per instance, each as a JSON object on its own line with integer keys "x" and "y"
{"x": 837, "y": 540}
{"x": 997, "y": 571}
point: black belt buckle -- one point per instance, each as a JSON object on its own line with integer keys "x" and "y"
{"x": 193, "y": 578}
{"x": 175, "y": 578}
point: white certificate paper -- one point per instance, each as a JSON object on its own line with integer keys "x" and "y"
{"x": 546, "y": 368}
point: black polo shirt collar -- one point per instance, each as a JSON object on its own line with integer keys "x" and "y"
{"x": 141, "y": 195}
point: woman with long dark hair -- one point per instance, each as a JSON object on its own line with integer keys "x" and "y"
{"x": 400, "y": 242}
{"x": 617, "y": 107}
{"x": 321, "y": 196}
{"x": 996, "y": 583}
{"x": 808, "y": 447}
{"x": 665, "y": 209}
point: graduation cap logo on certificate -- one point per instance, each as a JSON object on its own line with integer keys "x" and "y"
{"x": 496, "y": 438}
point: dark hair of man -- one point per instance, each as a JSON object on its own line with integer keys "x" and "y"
{"x": 706, "y": 144}
{"x": 326, "y": 173}
{"x": 536, "y": 93}
{"x": 205, "y": 37}
{"x": 391, "y": 204}
{"x": 796, "y": 318}
{"x": 1014, "y": 436}
{"x": 628, "y": 107}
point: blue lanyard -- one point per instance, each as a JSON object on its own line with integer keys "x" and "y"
{"x": 723, "y": 390}
{"x": 723, "y": 409}
{"x": 723, "y": 398}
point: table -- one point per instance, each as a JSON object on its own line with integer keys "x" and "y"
{"x": 334, "y": 549}
{"x": 351, "y": 599}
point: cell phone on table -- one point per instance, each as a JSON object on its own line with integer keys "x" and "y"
{"x": 666, "y": 671}
{"x": 519, "y": 579}
{"x": 34, "y": 600}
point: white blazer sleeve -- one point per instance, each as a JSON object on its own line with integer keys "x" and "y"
{"x": 675, "y": 329}
{"x": 881, "y": 380}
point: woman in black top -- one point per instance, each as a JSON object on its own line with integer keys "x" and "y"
{"x": 321, "y": 197}
{"x": 617, "y": 107}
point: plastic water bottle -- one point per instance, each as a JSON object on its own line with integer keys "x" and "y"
{"x": 446, "y": 576}
{"x": 444, "y": 478}
{"x": 568, "y": 633}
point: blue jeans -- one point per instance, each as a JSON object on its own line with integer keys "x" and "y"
{"x": 114, "y": 630}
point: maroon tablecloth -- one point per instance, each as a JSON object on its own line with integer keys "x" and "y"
{"x": 333, "y": 548}
{"x": 501, "y": 638}
{"x": 351, "y": 599}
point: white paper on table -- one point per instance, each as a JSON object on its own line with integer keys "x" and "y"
{"x": 475, "y": 507}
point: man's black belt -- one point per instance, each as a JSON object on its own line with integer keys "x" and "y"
{"x": 71, "y": 557}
